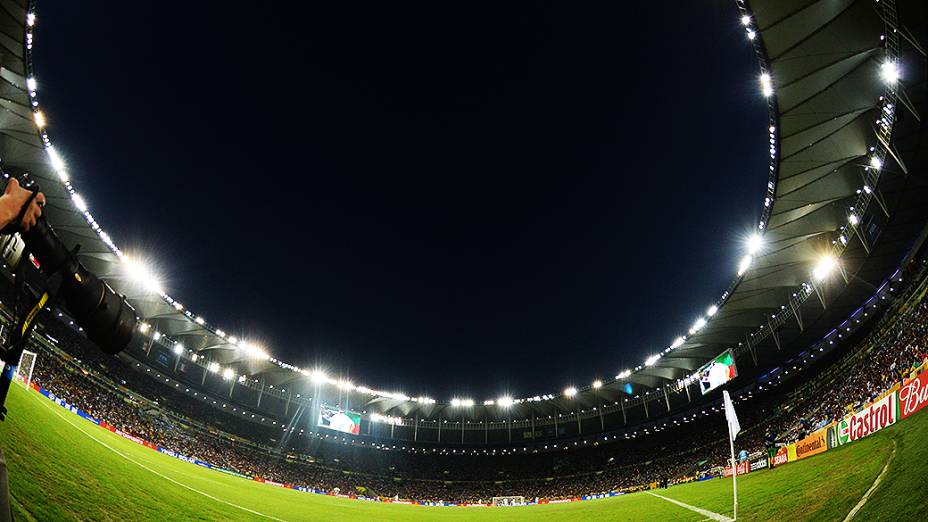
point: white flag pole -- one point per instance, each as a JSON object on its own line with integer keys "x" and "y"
{"x": 734, "y": 471}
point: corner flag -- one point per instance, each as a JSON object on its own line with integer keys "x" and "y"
{"x": 733, "y": 427}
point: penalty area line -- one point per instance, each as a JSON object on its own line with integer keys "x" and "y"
{"x": 150, "y": 470}
{"x": 710, "y": 515}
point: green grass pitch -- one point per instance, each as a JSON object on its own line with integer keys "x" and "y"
{"x": 64, "y": 468}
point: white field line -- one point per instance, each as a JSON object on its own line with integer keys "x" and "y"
{"x": 876, "y": 483}
{"x": 704, "y": 512}
{"x": 143, "y": 466}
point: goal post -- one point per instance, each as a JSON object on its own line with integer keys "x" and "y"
{"x": 509, "y": 501}
{"x": 25, "y": 367}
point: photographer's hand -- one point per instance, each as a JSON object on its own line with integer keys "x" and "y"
{"x": 11, "y": 204}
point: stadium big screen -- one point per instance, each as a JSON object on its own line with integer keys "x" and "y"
{"x": 717, "y": 372}
{"x": 339, "y": 420}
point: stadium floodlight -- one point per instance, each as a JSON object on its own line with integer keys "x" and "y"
{"x": 651, "y": 360}
{"x": 889, "y": 72}
{"x": 31, "y": 84}
{"x": 199, "y": 320}
{"x": 597, "y": 384}
{"x": 228, "y": 374}
{"x": 712, "y": 310}
{"x": 345, "y": 385}
{"x": 755, "y": 243}
{"x": 79, "y": 202}
{"x": 825, "y": 266}
{"x": 39, "y": 118}
{"x": 751, "y": 35}
{"x": 178, "y": 348}
{"x": 677, "y": 342}
{"x": 699, "y": 324}
{"x": 55, "y": 158}
{"x": 467, "y": 402}
{"x": 570, "y": 391}
{"x": 744, "y": 264}
{"x": 318, "y": 376}
{"x": 30, "y": 19}
{"x": 623, "y": 374}
{"x": 456, "y": 402}
{"x": 144, "y": 327}
{"x": 505, "y": 402}
{"x": 213, "y": 367}
{"x": 853, "y": 219}
{"x": 745, "y": 20}
{"x": 766, "y": 84}
{"x": 876, "y": 163}
{"x": 156, "y": 336}
{"x": 140, "y": 273}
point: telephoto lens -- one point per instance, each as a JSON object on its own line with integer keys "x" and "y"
{"x": 106, "y": 317}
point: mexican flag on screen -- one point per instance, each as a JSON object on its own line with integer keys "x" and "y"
{"x": 717, "y": 372}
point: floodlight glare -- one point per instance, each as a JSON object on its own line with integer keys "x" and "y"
{"x": 712, "y": 310}
{"x": 228, "y": 374}
{"x": 456, "y": 402}
{"x": 744, "y": 264}
{"x": 570, "y": 392}
{"x": 213, "y": 367}
{"x": 597, "y": 384}
{"x": 467, "y": 402}
{"x": 889, "y": 72}
{"x": 651, "y": 360}
{"x": 755, "y": 243}
{"x": 178, "y": 348}
{"x": 677, "y": 342}
{"x": 824, "y": 268}
{"x": 745, "y": 20}
{"x": 853, "y": 219}
{"x": 505, "y": 402}
{"x": 876, "y": 163}
{"x": 766, "y": 84}
{"x": 39, "y": 117}
{"x": 318, "y": 376}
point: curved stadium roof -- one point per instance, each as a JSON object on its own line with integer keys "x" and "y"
{"x": 843, "y": 136}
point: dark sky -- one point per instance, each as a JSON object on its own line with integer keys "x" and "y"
{"x": 436, "y": 198}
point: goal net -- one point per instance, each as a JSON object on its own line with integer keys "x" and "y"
{"x": 508, "y": 501}
{"x": 24, "y": 370}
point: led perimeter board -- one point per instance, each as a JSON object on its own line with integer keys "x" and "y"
{"x": 339, "y": 420}
{"x": 717, "y": 372}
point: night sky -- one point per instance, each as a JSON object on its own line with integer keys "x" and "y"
{"x": 436, "y": 198}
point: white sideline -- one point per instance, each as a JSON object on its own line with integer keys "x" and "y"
{"x": 143, "y": 466}
{"x": 876, "y": 483}
{"x": 704, "y": 512}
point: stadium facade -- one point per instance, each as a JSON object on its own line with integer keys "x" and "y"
{"x": 843, "y": 214}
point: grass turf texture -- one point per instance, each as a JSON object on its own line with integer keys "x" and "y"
{"x": 60, "y": 471}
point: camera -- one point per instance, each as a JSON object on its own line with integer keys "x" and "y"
{"x": 106, "y": 317}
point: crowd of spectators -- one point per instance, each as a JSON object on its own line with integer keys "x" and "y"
{"x": 155, "y": 412}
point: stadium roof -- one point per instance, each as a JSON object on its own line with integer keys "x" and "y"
{"x": 838, "y": 211}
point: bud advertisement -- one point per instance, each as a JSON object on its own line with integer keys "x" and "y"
{"x": 871, "y": 419}
{"x": 913, "y": 395}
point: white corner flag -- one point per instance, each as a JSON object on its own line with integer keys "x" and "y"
{"x": 733, "y": 429}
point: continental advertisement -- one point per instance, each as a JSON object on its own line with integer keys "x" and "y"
{"x": 811, "y": 445}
